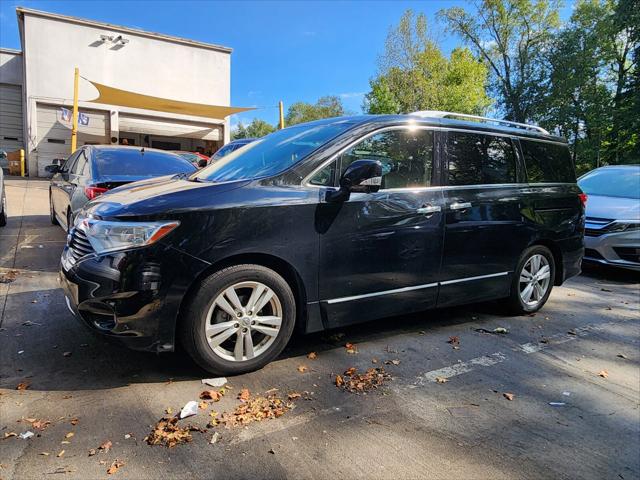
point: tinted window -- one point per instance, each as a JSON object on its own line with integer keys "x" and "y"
{"x": 79, "y": 167}
{"x": 406, "y": 157}
{"x": 476, "y": 159}
{"x": 612, "y": 182}
{"x": 70, "y": 161}
{"x": 547, "y": 162}
{"x": 274, "y": 153}
{"x": 138, "y": 163}
{"x": 222, "y": 152}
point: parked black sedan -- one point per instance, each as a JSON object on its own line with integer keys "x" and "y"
{"x": 94, "y": 169}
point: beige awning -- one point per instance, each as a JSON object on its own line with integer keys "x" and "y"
{"x": 123, "y": 98}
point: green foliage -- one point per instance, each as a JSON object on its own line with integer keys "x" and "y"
{"x": 511, "y": 37}
{"x": 325, "y": 107}
{"x": 256, "y": 129}
{"x": 415, "y": 75}
{"x": 592, "y": 96}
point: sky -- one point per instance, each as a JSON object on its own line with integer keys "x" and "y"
{"x": 285, "y": 50}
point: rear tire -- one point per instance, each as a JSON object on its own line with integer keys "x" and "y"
{"x": 52, "y": 214}
{"x": 238, "y": 320}
{"x": 532, "y": 281}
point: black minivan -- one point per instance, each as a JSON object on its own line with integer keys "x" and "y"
{"x": 325, "y": 224}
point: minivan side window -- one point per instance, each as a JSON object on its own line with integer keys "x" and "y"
{"x": 479, "y": 159}
{"x": 406, "y": 156}
{"x": 547, "y": 162}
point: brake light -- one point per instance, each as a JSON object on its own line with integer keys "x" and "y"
{"x": 93, "y": 192}
{"x": 583, "y": 199}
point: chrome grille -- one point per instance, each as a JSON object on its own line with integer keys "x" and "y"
{"x": 79, "y": 244}
{"x": 594, "y": 227}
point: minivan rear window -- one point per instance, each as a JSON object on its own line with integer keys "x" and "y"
{"x": 479, "y": 159}
{"x": 547, "y": 162}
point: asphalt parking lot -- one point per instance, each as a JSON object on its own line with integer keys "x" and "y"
{"x": 572, "y": 369}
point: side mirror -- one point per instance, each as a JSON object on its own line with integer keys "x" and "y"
{"x": 363, "y": 176}
{"x": 202, "y": 163}
{"x": 52, "y": 169}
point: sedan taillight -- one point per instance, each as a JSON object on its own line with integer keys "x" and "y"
{"x": 92, "y": 192}
{"x": 583, "y": 199}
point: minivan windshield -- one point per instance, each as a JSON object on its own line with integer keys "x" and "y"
{"x": 272, "y": 154}
{"x": 612, "y": 182}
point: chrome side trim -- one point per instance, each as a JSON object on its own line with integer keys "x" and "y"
{"x": 384, "y": 292}
{"x": 479, "y": 277}
{"x": 416, "y": 287}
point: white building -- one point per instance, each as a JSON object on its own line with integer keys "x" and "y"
{"x": 37, "y": 84}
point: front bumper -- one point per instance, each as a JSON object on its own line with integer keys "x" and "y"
{"x": 131, "y": 296}
{"x": 615, "y": 249}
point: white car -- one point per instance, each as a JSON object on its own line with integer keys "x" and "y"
{"x": 3, "y": 201}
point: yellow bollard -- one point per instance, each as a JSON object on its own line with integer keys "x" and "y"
{"x": 22, "y": 167}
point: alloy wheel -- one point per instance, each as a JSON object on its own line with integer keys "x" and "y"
{"x": 243, "y": 321}
{"x": 535, "y": 279}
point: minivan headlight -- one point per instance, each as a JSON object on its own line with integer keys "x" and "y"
{"x": 106, "y": 236}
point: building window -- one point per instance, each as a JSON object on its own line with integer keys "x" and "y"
{"x": 55, "y": 140}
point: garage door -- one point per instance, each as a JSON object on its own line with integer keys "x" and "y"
{"x": 169, "y": 128}
{"x": 11, "y": 138}
{"x": 54, "y": 133}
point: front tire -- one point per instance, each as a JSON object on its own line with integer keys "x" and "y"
{"x": 239, "y": 319}
{"x": 52, "y": 213}
{"x": 3, "y": 210}
{"x": 532, "y": 281}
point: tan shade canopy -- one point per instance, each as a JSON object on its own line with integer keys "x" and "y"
{"x": 115, "y": 96}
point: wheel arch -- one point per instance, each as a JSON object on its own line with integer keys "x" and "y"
{"x": 557, "y": 258}
{"x": 277, "y": 264}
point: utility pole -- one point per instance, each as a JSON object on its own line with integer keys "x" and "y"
{"x": 281, "y": 106}
{"x": 74, "y": 120}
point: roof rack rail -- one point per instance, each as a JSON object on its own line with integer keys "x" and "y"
{"x": 440, "y": 114}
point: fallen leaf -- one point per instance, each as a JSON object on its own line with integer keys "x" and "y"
{"x": 60, "y": 454}
{"x": 441, "y": 380}
{"x": 603, "y": 373}
{"x": 605, "y": 290}
{"x": 66, "y": 354}
{"x": 114, "y": 467}
{"x": 23, "y": 386}
{"x": 302, "y": 368}
{"x": 621, "y": 355}
{"x": 500, "y": 330}
{"x": 10, "y": 434}
{"x": 69, "y": 435}
{"x": 350, "y": 371}
{"x": 293, "y": 395}
{"x": 168, "y": 410}
{"x": 352, "y": 348}
{"x": 203, "y": 405}
{"x": 211, "y": 395}
{"x": 454, "y": 340}
{"x": 168, "y": 433}
{"x": 392, "y": 362}
{"x": 74, "y": 421}
{"x": 339, "y": 381}
{"x": 106, "y": 446}
{"x": 374, "y": 360}
{"x": 312, "y": 355}
{"x": 508, "y": 396}
{"x": 214, "y": 438}
{"x": 255, "y": 409}
{"x": 244, "y": 395}
{"x": 45, "y": 454}
{"x": 92, "y": 452}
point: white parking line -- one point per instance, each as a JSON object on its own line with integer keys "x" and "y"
{"x": 499, "y": 357}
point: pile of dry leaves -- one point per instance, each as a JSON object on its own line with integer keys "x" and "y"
{"x": 362, "y": 382}
{"x": 254, "y": 409}
{"x": 168, "y": 433}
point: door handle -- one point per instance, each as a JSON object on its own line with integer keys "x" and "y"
{"x": 429, "y": 209}
{"x": 460, "y": 205}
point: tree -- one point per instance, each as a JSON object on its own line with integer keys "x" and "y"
{"x": 592, "y": 98}
{"x": 256, "y": 129}
{"x": 511, "y": 36}
{"x": 325, "y": 107}
{"x": 415, "y": 75}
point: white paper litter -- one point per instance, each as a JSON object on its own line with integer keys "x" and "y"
{"x": 191, "y": 408}
{"x": 214, "y": 382}
{"x": 566, "y": 394}
{"x": 214, "y": 438}
{"x": 25, "y": 435}
{"x": 557, "y": 404}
